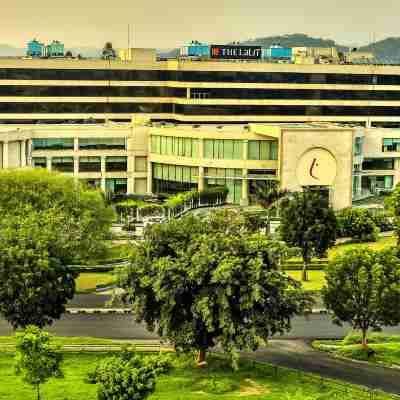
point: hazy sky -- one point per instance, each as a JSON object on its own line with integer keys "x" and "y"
{"x": 171, "y": 23}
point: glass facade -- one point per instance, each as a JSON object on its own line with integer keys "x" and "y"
{"x": 391, "y": 144}
{"x": 228, "y": 177}
{"x": 358, "y": 145}
{"x": 117, "y": 185}
{"x": 62, "y": 164}
{"x": 175, "y": 146}
{"x": 89, "y": 164}
{"x": 39, "y": 162}
{"x": 92, "y": 183}
{"x": 223, "y": 149}
{"x": 116, "y": 164}
{"x": 378, "y": 164}
{"x": 102, "y": 144}
{"x": 174, "y": 178}
{"x": 53, "y": 144}
{"x": 197, "y": 76}
{"x": 262, "y": 150}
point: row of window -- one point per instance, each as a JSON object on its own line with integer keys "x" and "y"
{"x": 378, "y": 164}
{"x": 86, "y": 164}
{"x": 214, "y": 93}
{"x": 175, "y": 146}
{"x": 84, "y": 108}
{"x": 91, "y": 91}
{"x": 390, "y": 144}
{"x": 83, "y": 143}
{"x": 234, "y": 110}
{"x": 294, "y": 94}
{"x": 228, "y": 149}
{"x": 177, "y": 173}
{"x": 197, "y": 76}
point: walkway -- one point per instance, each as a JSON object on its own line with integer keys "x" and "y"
{"x": 298, "y": 354}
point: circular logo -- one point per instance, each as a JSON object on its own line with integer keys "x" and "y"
{"x": 316, "y": 167}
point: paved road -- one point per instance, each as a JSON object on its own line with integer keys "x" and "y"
{"x": 116, "y": 326}
{"x": 299, "y": 355}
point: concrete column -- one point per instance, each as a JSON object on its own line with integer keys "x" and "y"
{"x": 149, "y": 178}
{"x": 200, "y": 185}
{"x": 76, "y": 145}
{"x": 244, "y": 201}
{"x": 5, "y": 155}
{"x": 368, "y": 123}
{"x": 131, "y": 184}
{"x": 188, "y": 93}
{"x": 396, "y": 177}
{"x": 29, "y": 152}
{"x": 23, "y": 153}
{"x": 245, "y": 150}
{"x": 48, "y": 163}
{"x": 76, "y": 166}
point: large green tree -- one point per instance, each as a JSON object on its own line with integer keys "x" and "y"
{"x": 47, "y": 222}
{"x": 363, "y": 289}
{"x": 35, "y": 281}
{"x": 36, "y": 359}
{"x": 202, "y": 282}
{"x": 309, "y": 223}
{"x": 87, "y": 218}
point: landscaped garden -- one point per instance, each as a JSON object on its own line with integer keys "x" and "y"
{"x": 185, "y": 382}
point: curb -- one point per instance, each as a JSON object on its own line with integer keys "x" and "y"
{"x": 129, "y": 311}
{"x": 98, "y": 311}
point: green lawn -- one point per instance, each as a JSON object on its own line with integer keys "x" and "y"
{"x": 184, "y": 382}
{"x": 87, "y": 281}
{"x": 386, "y": 348}
{"x": 380, "y": 244}
{"x": 316, "y": 279}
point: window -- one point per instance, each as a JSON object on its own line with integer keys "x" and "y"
{"x": 391, "y": 145}
{"x": 39, "y": 162}
{"x": 63, "y": 164}
{"x": 358, "y": 146}
{"x": 53, "y": 144}
{"x": 89, "y": 164}
{"x": 116, "y": 185}
{"x": 228, "y": 177}
{"x": 263, "y": 150}
{"x": 140, "y": 164}
{"x": 228, "y": 149}
{"x": 102, "y": 144}
{"x": 175, "y": 146}
{"x": 116, "y": 164}
{"x": 174, "y": 178}
{"x": 378, "y": 164}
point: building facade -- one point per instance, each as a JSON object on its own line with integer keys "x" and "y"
{"x": 147, "y": 157}
{"x": 60, "y": 90}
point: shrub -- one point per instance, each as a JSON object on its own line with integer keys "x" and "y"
{"x": 357, "y": 223}
{"x": 355, "y": 338}
{"x": 382, "y": 220}
{"x": 218, "y": 385}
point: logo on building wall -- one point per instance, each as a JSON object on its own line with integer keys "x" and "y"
{"x": 318, "y": 167}
{"x": 235, "y": 52}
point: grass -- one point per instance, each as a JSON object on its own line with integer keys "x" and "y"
{"x": 183, "y": 382}
{"x": 380, "y": 244}
{"x": 386, "y": 348}
{"x": 87, "y": 281}
{"x": 316, "y": 279}
{"x": 71, "y": 340}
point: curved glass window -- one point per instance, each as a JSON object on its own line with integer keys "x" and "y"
{"x": 175, "y": 146}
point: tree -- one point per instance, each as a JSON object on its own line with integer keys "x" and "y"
{"x": 132, "y": 378}
{"x": 35, "y": 281}
{"x": 357, "y": 223}
{"x": 108, "y": 52}
{"x": 35, "y": 358}
{"x": 86, "y": 217}
{"x": 68, "y": 54}
{"x": 393, "y": 204}
{"x": 363, "y": 289}
{"x": 308, "y": 223}
{"x": 202, "y": 282}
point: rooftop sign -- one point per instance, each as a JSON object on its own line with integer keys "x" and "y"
{"x": 235, "y": 52}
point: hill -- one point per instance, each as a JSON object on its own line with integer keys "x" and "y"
{"x": 386, "y": 51}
